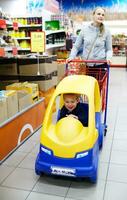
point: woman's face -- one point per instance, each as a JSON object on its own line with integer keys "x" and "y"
{"x": 98, "y": 16}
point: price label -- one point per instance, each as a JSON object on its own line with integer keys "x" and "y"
{"x": 2, "y": 52}
{"x": 14, "y": 51}
{"x": 15, "y": 26}
{"x": 2, "y": 23}
{"x": 38, "y": 41}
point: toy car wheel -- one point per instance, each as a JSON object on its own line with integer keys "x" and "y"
{"x": 38, "y": 172}
{"x": 101, "y": 144}
{"x": 105, "y": 131}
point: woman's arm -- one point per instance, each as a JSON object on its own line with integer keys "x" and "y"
{"x": 77, "y": 45}
{"x": 108, "y": 46}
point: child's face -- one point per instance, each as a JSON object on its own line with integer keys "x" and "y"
{"x": 70, "y": 102}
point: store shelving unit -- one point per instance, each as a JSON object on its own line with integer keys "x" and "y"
{"x": 22, "y": 34}
{"x": 54, "y": 38}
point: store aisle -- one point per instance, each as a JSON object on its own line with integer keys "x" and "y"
{"x": 18, "y": 180}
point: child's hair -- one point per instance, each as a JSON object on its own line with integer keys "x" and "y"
{"x": 101, "y": 28}
{"x": 71, "y": 94}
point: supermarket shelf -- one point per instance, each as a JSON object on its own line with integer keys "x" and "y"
{"x": 8, "y": 22}
{"x": 23, "y": 49}
{"x": 22, "y": 38}
{"x": 50, "y": 46}
{"x": 21, "y": 112}
{"x": 28, "y": 26}
{"x": 7, "y": 49}
{"x": 22, "y": 127}
{"x": 54, "y": 31}
{"x": 25, "y": 77}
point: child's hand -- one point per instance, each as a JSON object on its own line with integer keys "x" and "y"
{"x": 71, "y": 115}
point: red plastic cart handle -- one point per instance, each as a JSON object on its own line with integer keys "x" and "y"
{"x": 89, "y": 61}
{"x": 81, "y": 61}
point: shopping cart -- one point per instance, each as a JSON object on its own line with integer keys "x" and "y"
{"x": 101, "y": 74}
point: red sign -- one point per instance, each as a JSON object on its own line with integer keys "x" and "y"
{"x": 2, "y": 52}
{"x": 14, "y": 51}
{"x": 2, "y": 23}
{"x": 15, "y": 26}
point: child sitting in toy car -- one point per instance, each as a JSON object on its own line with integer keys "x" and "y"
{"x": 74, "y": 108}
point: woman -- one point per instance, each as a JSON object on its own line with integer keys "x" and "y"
{"x": 96, "y": 40}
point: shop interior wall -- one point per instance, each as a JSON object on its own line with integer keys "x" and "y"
{"x": 14, "y": 7}
{"x": 18, "y": 8}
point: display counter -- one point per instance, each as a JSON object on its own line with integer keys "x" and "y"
{"x": 18, "y": 128}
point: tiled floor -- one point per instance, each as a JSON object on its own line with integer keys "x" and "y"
{"x": 18, "y": 180}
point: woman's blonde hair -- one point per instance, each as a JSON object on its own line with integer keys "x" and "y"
{"x": 101, "y": 27}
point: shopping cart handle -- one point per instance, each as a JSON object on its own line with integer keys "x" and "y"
{"x": 88, "y": 61}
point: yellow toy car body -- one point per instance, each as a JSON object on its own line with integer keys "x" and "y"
{"x": 67, "y": 147}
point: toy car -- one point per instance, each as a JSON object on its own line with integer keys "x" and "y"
{"x": 68, "y": 148}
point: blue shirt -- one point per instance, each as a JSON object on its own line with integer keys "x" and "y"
{"x": 81, "y": 111}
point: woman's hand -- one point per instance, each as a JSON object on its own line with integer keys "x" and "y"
{"x": 109, "y": 62}
{"x": 68, "y": 60}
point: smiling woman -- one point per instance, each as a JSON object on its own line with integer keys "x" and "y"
{"x": 95, "y": 39}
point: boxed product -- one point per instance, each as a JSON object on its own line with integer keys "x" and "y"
{"x": 10, "y": 69}
{"x": 12, "y": 102}
{"x": 61, "y": 69}
{"x": 34, "y": 69}
{"x": 24, "y": 100}
{"x": 3, "y": 84}
{"x": 3, "y": 109}
{"x": 31, "y": 88}
{"x": 46, "y": 83}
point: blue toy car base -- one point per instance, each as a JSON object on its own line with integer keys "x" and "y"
{"x": 84, "y": 164}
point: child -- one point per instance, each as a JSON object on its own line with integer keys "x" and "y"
{"x": 72, "y": 107}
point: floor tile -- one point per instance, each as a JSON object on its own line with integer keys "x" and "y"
{"x": 119, "y": 157}
{"x": 102, "y": 170}
{"x": 107, "y": 144}
{"x": 15, "y": 158}
{"x": 104, "y": 155}
{"x": 115, "y": 191}
{"x": 86, "y": 191}
{"x": 117, "y": 173}
{"x": 35, "y": 150}
{"x": 28, "y": 162}
{"x": 121, "y": 126}
{"x": 21, "y": 179}
{"x": 120, "y": 135}
{"x": 52, "y": 185}
{"x": 27, "y": 146}
{"x": 120, "y": 145}
{"x": 36, "y": 135}
{"x": 39, "y": 196}
{"x": 68, "y": 199}
{"x": 12, "y": 194}
{"x": 5, "y": 171}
